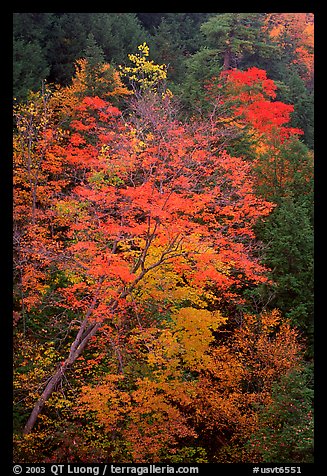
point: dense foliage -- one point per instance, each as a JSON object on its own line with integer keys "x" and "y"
{"x": 163, "y": 237}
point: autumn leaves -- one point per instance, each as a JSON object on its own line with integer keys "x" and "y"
{"x": 135, "y": 239}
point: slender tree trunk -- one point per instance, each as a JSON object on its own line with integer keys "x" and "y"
{"x": 227, "y": 59}
{"x": 88, "y": 328}
{"x": 86, "y": 331}
{"x": 56, "y": 378}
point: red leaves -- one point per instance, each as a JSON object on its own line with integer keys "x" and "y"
{"x": 93, "y": 103}
{"x": 100, "y": 105}
{"x": 268, "y": 118}
{"x": 253, "y": 83}
{"x": 136, "y": 200}
{"x": 250, "y": 95}
{"x": 140, "y": 228}
{"x": 77, "y": 139}
{"x": 174, "y": 187}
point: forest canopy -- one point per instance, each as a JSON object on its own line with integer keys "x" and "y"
{"x": 163, "y": 237}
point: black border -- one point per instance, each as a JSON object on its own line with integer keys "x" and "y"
{"x": 6, "y": 221}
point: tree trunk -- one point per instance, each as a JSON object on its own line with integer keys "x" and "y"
{"x": 227, "y": 59}
{"x": 89, "y": 329}
{"x": 43, "y": 398}
{"x": 86, "y": 331}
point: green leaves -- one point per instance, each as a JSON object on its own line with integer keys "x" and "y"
{"x": 286, "y": 424}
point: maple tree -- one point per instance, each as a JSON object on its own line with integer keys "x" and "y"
{"x": 38, "y": 180}
{"x": 166, "y": 194}
{"x": 135, "y": 245}
{"x": 248, "y": 102}
{"x": 251, "y": 96}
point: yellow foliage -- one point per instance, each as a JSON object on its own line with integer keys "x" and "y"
{"x": 167, "y": 284}
{"x": 32, "y": 363}
{"x": 145, "y": 73}
{"x": 186, "y": 340}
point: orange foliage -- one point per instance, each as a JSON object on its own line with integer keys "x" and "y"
{"x": 136, "y": 197}
{"x": 173, "y": 190}
{"x": 105, "y": 81}
{"x": 299, "y": 29}
{"x": 146, "y": 212}
{"x": 241, "y": 375}
{"x": 194, "y": 388}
